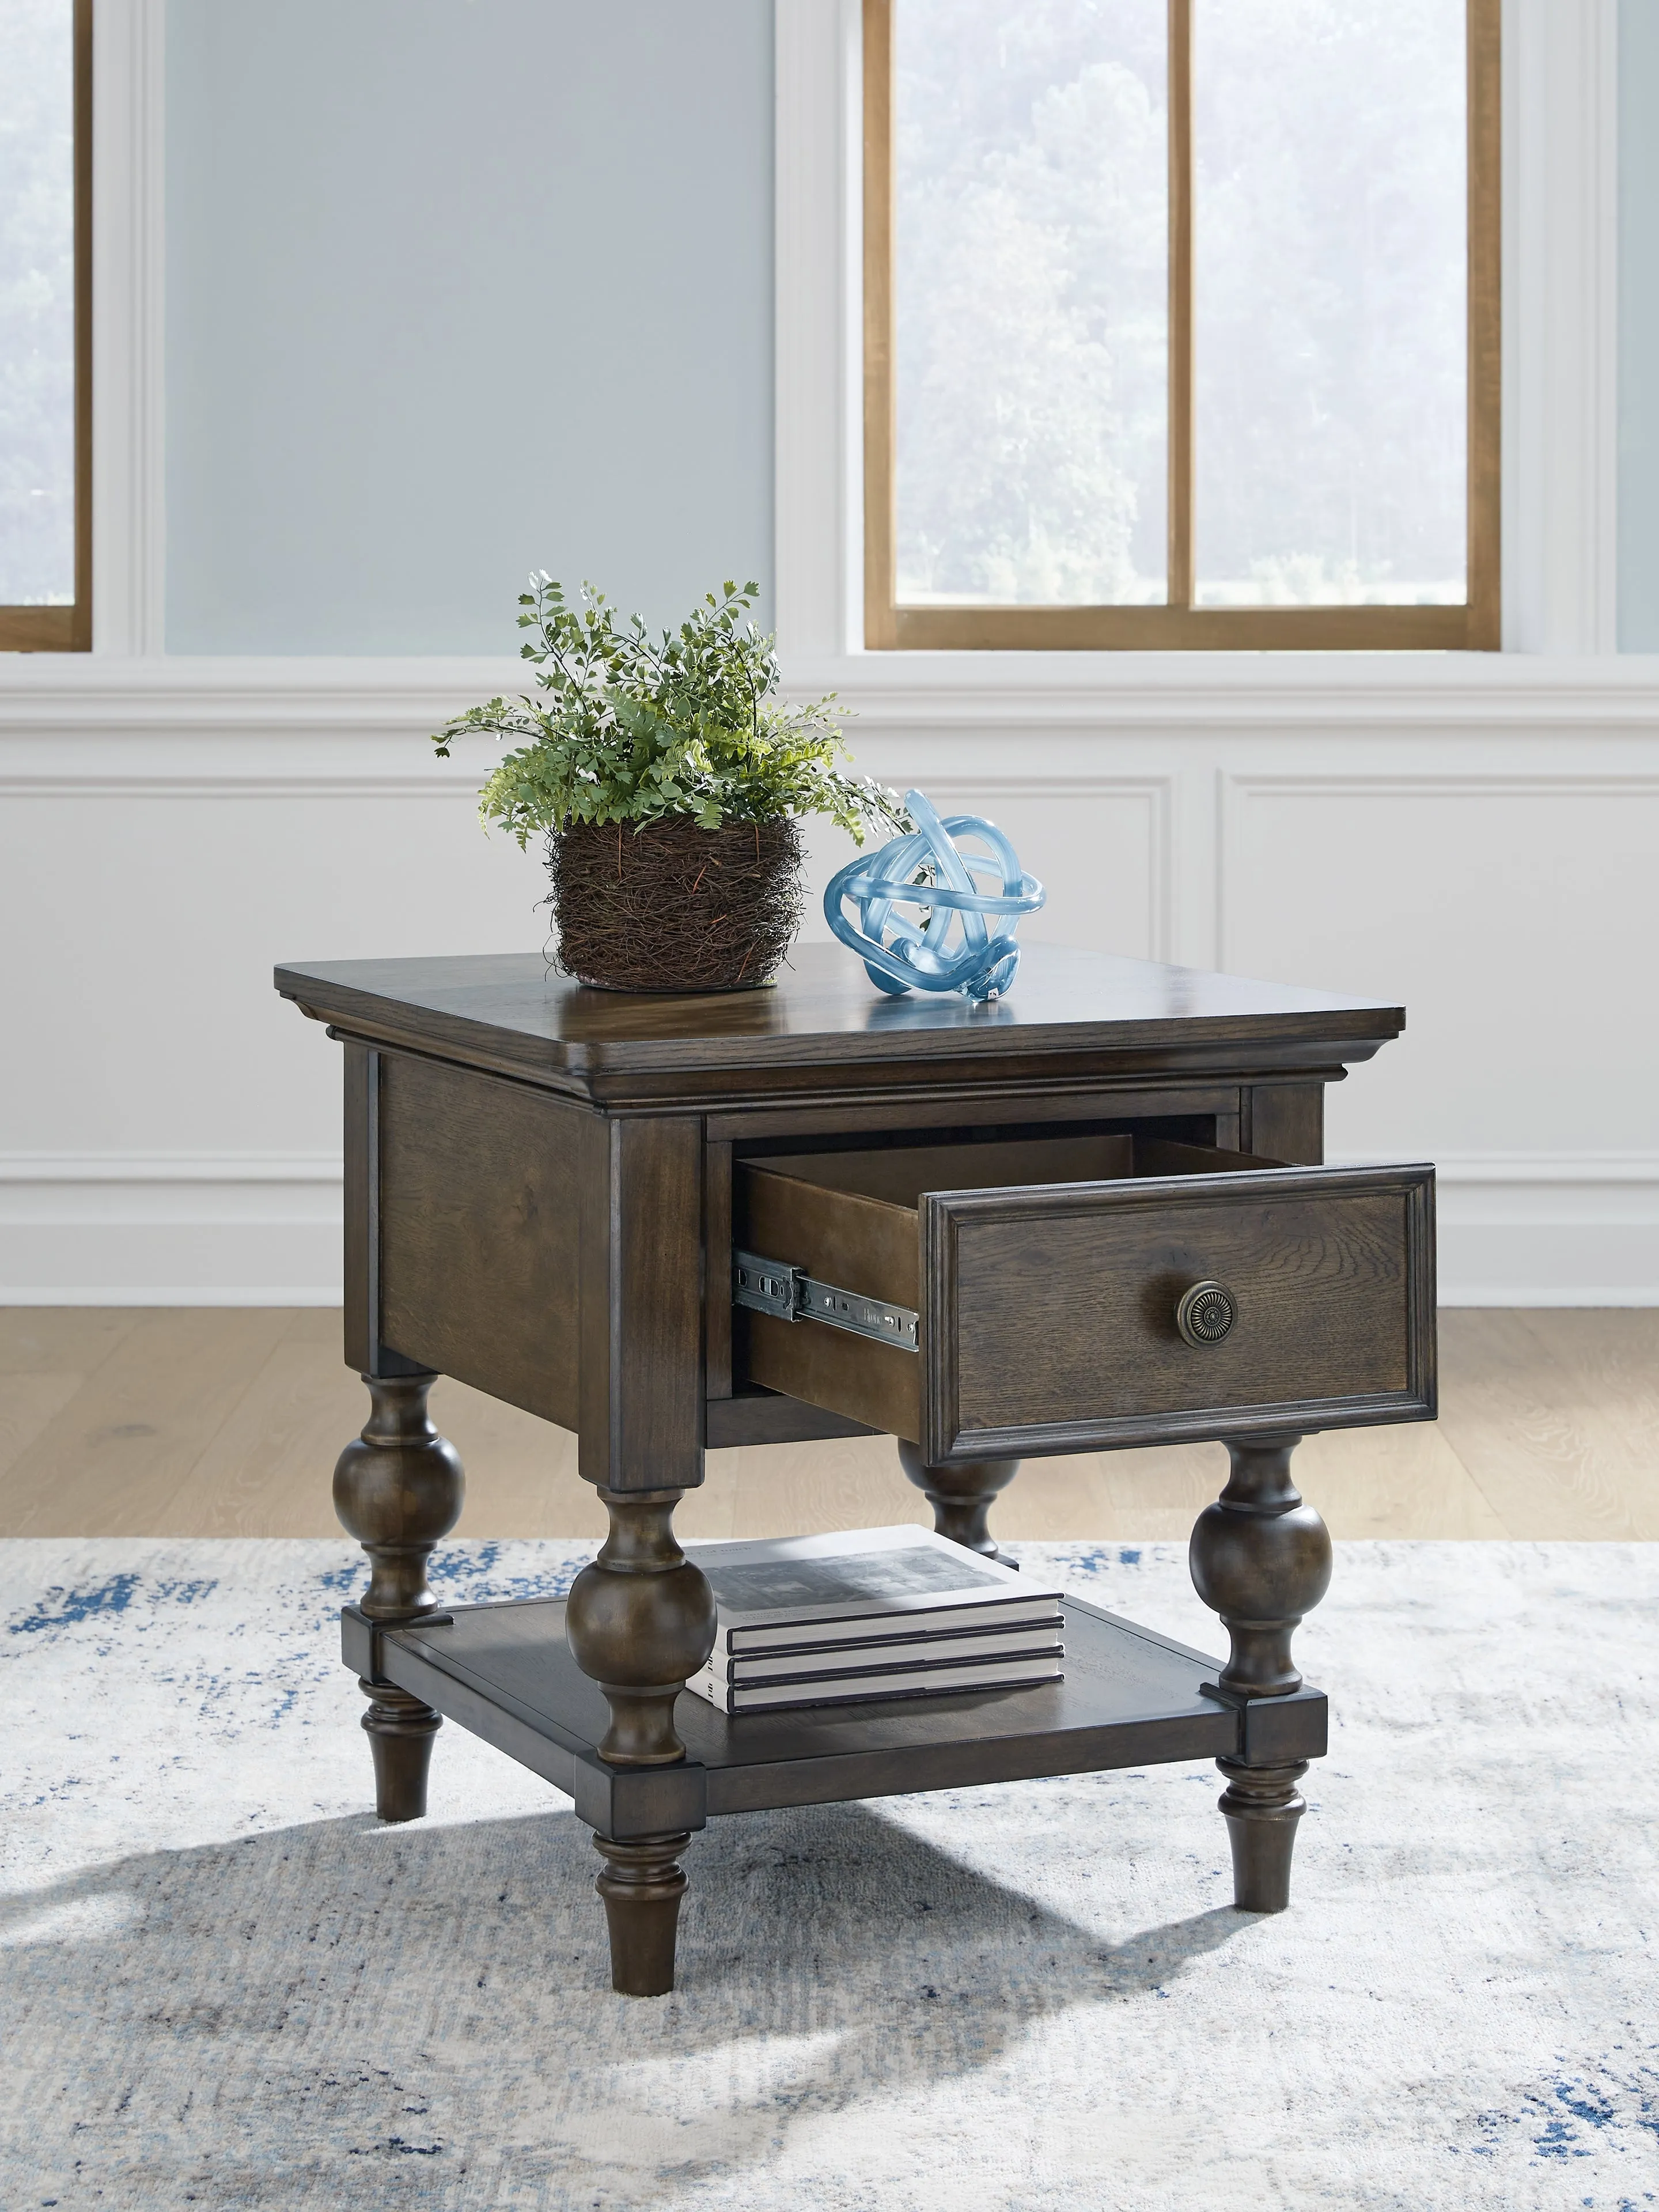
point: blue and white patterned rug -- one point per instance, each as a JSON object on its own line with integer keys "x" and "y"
{"x": 225, "y": 1986}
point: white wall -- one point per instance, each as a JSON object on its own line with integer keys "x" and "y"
{"x": 455, "y": 289}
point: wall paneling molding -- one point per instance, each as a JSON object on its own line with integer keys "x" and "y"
{"x": 1237, "y": 790}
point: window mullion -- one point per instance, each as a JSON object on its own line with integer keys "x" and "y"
{"x": 82, "y": 628}
{"x": 881, "y": 432}
{"x": 1486, "y": 325}
{"x": 1180, "y": 581}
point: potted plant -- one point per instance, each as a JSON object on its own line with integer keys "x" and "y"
{"x": 668, "y": 778}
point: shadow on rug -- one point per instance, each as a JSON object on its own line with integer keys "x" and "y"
{"x": 347, "y": 1983}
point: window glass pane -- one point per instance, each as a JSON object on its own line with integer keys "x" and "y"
{"x": 37, "y": 303}
{"x": 1330, "y": 244}
{"x": 1030, "y": 179}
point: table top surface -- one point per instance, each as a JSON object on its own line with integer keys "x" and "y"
{"x": 823, "y": 1009}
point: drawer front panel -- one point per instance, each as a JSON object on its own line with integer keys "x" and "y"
{"x": 1049, "y": 1314}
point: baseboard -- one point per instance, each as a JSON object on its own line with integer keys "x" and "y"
{"x": 162, "y": 1229}
{"x": 169, "y": 1294}
{"x": 153, "y": 1229}
{"x": 1549, "y": 1295}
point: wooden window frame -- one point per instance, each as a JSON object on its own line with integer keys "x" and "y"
{"x": 1180, "y": 625}
{"x": 69, "y": 628}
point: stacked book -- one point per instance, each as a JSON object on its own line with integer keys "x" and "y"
{"x": 872, "y": 1613}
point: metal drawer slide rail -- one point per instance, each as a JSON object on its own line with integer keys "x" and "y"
{"x": 771, "y": 1286}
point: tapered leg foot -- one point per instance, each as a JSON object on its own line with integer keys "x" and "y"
{"x": 642, "y": 1883}
{"x": 400, "y": 1729}
{"x": 1261, "y": 1806}
{"x": 1263, "y": 1559}
{"x": 961, "y": 1496}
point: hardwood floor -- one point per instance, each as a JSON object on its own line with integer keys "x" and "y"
{"x": 225, "y": 1421}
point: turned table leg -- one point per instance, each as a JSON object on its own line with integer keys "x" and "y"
{"x": 961, "y": 1496}
{"x": 397, "y": 1489}
{"x": 642, "y": 1882}
{"x": 640, "y": 1621}
{"x": 1261, "y": 1559}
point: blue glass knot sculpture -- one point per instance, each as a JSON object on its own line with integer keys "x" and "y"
{"x": 965, "y": 938}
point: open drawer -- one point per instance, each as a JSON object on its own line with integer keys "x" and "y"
{"x": 1063, "y": 1294}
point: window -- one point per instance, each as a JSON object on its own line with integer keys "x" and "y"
{"x": 1181, "y": 323}
{"x": 46, "y": 325}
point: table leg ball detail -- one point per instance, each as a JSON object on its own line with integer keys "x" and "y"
{"x": 640, "y": 1622}
{"x": 961, "y": 1496}
{"x": 398, "y": 1488}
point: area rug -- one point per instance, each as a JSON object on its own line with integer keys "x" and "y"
{"x": 224, "y": 1985}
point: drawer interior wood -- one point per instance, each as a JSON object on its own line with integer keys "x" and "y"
{"x": 1047, "y": 1272}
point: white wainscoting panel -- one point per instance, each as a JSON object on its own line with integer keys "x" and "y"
{"x": 1504, "y": 910}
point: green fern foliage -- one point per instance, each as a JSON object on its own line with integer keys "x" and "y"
{"x": 631, "y": 728}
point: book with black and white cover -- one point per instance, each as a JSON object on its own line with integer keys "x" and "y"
{"x": 874, "y": 1688}
{"x": 860, "y": 1584}
{"x": 795, "y": 1662}
{"x": 869, "y": 1612}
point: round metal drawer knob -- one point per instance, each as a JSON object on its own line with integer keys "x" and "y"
{"x": 1206, "y": 1313}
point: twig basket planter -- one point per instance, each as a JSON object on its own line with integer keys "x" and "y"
{"x": 669, "y": 906}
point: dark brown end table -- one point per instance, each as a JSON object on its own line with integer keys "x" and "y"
{"x": 1089, "y": 1215}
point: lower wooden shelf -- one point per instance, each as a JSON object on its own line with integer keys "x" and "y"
{"x": 1129, "y": 1698}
